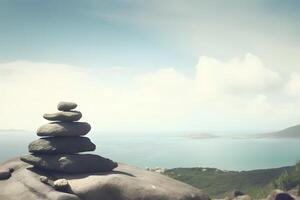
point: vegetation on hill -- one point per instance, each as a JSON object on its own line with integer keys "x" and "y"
{"x": 257, "y": 183}
{"x": 289, "y": 179}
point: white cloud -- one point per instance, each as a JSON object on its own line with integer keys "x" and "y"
{"x": 194, "y": 29}
{"x": 293, "y": 85}
{"x": 235, "y": 76}
{"x": 236, "y": 94}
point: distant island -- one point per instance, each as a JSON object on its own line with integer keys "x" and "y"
{"x": 291, "y": 132}
{"x": 200, "y": 136}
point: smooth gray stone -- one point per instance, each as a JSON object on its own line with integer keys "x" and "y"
{"x": 71, "y": 163}
{"x": 64, "y": 129}
{"x": 61, "y": 185}
{"x": 124, "y": 183}
{"x": 61, "y": 145}
{"x": 44, "y": 179}
{"x": 64, "y": 116}
{"x": 66, "y": 106}
{"x": 4, "y": 174}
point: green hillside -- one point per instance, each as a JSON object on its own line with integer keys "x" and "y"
{"x": 256, "y": 183}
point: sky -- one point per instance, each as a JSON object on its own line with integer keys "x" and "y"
{"x": 158, "y": 66}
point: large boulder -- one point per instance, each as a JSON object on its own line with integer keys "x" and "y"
{"x": 61, "y": 145}
{"x": 26, "y": 184}
{"x": 71, "y": 163}
{"x": 64, "y": 116}
{"x": 64, "y": 129}
{"x": 124, "y": 183}
{"x": 280, "y": 195}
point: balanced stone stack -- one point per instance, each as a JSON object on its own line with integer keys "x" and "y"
{"x": 61, "y": 143}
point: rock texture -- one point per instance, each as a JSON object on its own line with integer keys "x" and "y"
{"x": 61, "y": 185}
{"x": 44, "y": 179}
{"x": 58, "y": 149}
{"x": 25, "y": 184}
{"x": 71, "y": 163}
{"x": 64, "y": 129}
{"x": 124, "y": 183}
{"x": 60, "y": 145}
{"x": 64, "y": 116}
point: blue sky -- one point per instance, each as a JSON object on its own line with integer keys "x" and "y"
{"x": 153, "y": 63}
{"x": 74, "y": 32}
{"x": 146, "y": 34}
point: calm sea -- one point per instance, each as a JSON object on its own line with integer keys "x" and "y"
{"x": 171, "y": 152}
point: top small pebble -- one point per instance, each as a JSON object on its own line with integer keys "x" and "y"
{"x": 66, "y": 106}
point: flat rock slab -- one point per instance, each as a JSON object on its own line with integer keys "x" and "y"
{"x": 131, "y": 183}
{"x": 64, "y": 129}
{"x": 25, "y": 184}
{"x": 64, "y": 116}
{"x": 66, "y": 106}
{"x": 61, "y": 145}
{"x": 71, "y": 163}
{"x": 124, "y": 183}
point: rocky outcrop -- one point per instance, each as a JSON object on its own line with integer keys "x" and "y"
{"x": 57, "y": 171}
{"x": 124, "y": 183}
{"x": 238, "y": 195}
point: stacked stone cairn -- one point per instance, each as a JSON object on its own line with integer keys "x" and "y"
{"x": 61, "y": 142}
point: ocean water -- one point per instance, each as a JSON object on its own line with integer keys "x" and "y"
{"x": 171, "y": 152}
